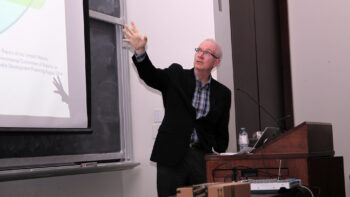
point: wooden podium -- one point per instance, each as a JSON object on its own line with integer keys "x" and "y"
{"x": 305, "y": 152}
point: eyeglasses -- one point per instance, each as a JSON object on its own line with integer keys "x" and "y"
{"x": 207, "y": 53}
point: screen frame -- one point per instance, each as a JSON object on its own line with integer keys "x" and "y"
{"x": 88, "y": 129}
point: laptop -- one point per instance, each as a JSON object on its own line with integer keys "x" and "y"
{"x": 268, "y": 134}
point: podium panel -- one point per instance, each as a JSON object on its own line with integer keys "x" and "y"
{"x": 304, "y": 152}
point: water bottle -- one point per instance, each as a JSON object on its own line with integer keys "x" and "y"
{"x": 243, "y": 139}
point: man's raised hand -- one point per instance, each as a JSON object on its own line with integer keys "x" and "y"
{"x": 134, "y": 38}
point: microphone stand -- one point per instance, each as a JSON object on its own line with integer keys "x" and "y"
{"x": 277, "y": 121}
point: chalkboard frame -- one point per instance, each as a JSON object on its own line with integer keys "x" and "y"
{"x": 49, "y": 161}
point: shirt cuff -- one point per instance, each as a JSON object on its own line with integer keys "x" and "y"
{"x": 140, "y": 57}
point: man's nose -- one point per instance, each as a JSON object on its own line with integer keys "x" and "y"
{"x": 200, "y": 54}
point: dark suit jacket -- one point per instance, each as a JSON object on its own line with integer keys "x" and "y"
{"x": 177, "y": 86}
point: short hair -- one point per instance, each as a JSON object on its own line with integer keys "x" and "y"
{"x": 218, "y": 50}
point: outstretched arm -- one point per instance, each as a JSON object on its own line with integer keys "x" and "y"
{"x": 153, "y": 77}
{"x": 134, "y": 38}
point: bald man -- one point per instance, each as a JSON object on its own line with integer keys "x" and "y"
{"x": 196, "y": 113}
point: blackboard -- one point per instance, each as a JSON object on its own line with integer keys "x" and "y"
{"x": 101, "y": 139}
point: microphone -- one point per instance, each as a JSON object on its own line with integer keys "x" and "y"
{"x": 269, "y": 114}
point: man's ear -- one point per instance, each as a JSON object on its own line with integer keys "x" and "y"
{"x": 217, "y": 62}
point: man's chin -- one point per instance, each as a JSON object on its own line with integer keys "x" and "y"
{"x": 196, "y": 67}
{"x": 199, "y": 69}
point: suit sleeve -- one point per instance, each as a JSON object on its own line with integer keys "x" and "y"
{"x": 152, "y": 76}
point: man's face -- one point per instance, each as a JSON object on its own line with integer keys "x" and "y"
{"x": 204, "y": 59}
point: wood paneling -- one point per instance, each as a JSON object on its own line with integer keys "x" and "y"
{"x": 304, "y": 152}
{"x": 261, "y": 64}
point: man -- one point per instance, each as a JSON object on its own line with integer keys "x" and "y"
{"x": 196, "y": 113}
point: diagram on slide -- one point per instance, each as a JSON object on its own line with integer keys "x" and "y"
{"x": 12, "y": 10}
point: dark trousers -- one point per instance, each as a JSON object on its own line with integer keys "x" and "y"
{"x": 191, "y": 171}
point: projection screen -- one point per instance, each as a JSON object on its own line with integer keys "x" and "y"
{"x": 42, "y": 64}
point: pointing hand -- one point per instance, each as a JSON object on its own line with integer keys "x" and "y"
{"x": 134, "y": 38}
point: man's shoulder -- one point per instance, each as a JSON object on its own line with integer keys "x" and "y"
{"x": 220, "y": 86}
{"x": 178, "y": 68}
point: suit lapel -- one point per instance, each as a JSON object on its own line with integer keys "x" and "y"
{"x": 213, "y": 94}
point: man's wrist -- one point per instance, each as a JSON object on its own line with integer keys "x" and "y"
{"x": 140, "y": 57}
{"x": 140, "y": 51}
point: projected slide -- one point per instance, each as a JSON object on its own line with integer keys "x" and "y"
{"x": 34, "y": 73}
{"x": 12, "y": 10}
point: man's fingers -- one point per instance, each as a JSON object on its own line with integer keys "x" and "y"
{"x": 126, "y": 40}
{"x": 126, "y": 33}
{"x": 134, "y": 27}
{"x": 135, "y": 39}
{"x": 129, "y": 30}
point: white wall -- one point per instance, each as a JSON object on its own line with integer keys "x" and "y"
{"x": 174, "y": 29}
{"x": 106, "y": 184}
{"x": 320, "y": 48}
{"x": 225, "y": 71}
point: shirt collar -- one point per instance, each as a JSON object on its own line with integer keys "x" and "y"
{"x": 200, "y": 83}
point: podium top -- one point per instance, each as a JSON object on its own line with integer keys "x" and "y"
{"x": 309, "y": 138}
